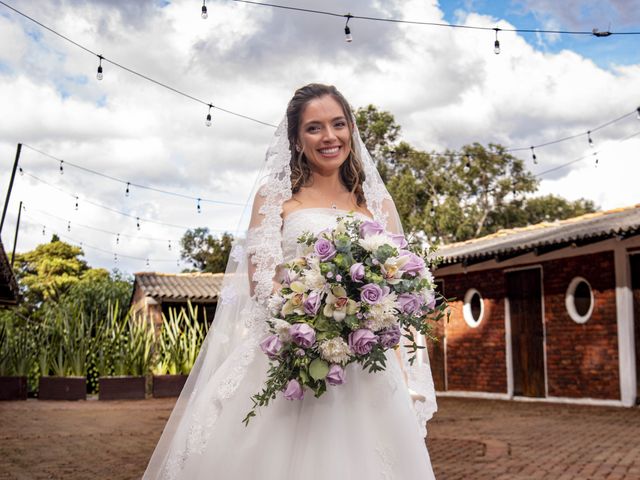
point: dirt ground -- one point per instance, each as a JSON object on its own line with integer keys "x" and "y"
{"x": 467, "y": 439}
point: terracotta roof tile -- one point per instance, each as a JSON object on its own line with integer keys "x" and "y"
{"x": 180, "y": 286}
{"x": 591, "y": 226}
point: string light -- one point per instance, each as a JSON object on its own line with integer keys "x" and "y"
{"x": 138, "y": 223}
{"x": 638, "y": 113}
{"x": 147, "y": 262}
{"x": 83, "y": 244}
{"x": 347, "y": 31}
{"x": 496, "y": 44}
{"x": 198, "y": 207}
{"x": 533, "y": 155}
{"x": 69, "y": 226}
{"x": 589, "y": 139}
{"x": 21, "y": 171}
{"x": 595, "y": 154}
{"x": 204, "y": 14}
{"x": 118, "y": 239}
{"x": 207, "y": 122}
{"x": 115, "y": 257}
{"x": 99, "y": 75}
{"x": 61, "y": 167}
{"x": 43, "y": 230}
{"x": 126, "y": 193}
{"x": 130, "y": 184}
{"x": 76, "y": 202}
{"x": 169, "y": 245}
{"x": 467, "y": 164}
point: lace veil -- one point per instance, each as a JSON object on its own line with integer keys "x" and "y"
{"x": 239, "y": 323}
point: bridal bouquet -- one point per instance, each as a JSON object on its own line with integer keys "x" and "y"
{"x": 355, "y": 292}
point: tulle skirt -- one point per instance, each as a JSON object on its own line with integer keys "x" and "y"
{"x": 363, "y": 429}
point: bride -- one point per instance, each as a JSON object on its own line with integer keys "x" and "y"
{"x": 373, "y": 426}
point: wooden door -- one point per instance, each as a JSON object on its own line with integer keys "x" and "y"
{"x": 524, "y": 292}
{"x": 436, "y": 349}
{"x": 635, "y": 285}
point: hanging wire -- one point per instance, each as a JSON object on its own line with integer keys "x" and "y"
{"x": 131, "y": 70}
{"x": 432, "y": 24}
{"x": 96, "y": 204}
{"x": 130, "y": 184}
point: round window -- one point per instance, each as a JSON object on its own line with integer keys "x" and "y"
{"x": 473, "y": 308}
{"x": 579, "y": 300}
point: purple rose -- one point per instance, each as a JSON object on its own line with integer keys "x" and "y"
{"x": 409, "y": 303}
{"x": 336, "y": 375}
{"x": 293, "y": 390}
{"x": 371, "y": 293}
{"x": 271, "y": 345}
{"x": 312, "y": 304}
{"x": 414, "y": 266}
{"x": 399, "y": 240}
{"x": 370, "y": 227}
{"x": 325, "y": 249}
{"x": 390, "y": 337}
{"x": 362, "y": 341}
{"x": 357, "y": 272}
{"x": 303, "y": 334}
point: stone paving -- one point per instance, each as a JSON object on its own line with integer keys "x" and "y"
{"x": 468, "y": 439}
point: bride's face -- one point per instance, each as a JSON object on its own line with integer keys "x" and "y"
{"x": 325, "y": 136}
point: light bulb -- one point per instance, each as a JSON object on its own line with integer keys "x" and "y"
{"x": 99, "y": 75}
{"x": 638, "y": 113}
{"x": 496, "y": 47}
{"x": 589, "y": 139}
{"x": 205, "y": 15}
{"x": 207, "y": 122}
{"x": 533, "y": 155}
{"x": 347, "y": 34}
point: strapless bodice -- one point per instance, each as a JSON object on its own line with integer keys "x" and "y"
{"x": 308, "y": 220}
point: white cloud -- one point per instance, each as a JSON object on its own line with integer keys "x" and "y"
{"x": 445, "y": 87}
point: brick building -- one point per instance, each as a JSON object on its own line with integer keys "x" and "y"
{"x": 155, "y": 293}
{"x": 550, "y": 311}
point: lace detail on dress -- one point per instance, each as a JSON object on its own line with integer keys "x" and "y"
{"x": 387, "y": 461}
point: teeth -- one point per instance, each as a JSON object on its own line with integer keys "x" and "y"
{"x": 329, "y": 150}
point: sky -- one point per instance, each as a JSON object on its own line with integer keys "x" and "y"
{"x": 445, "y": 87}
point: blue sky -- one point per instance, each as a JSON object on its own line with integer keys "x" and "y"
{"x": 605, "y": 52}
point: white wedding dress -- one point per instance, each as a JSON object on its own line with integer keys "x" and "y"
{"x": 364, "y": 429}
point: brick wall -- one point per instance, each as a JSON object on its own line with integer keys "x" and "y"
{"x": 476, "y": 356}
{"x": 582, "y": 359}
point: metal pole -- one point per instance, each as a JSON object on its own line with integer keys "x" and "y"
{"x": 13, "y": 175}
{"x": 15, "y": 238}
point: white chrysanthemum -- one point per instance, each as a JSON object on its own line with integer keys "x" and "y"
{"x": 335, "y": 350}
{"x": 383, "y": 314}
{"x": 373, "y": 242}
{"x": 282, "y": 329}
{"x": 313, "y": 279}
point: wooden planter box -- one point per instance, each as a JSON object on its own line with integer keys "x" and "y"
{"x": 13, "y": 388}
{"x": 63, "y": 388}
{"x": 168, "y": 385}
{"x": 121, "y": 388}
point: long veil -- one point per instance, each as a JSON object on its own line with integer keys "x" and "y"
{"x": 240, "y": 320}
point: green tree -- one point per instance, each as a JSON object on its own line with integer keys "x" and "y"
{"x": 49, "y": 270}
{"x": 204, "y": 251}
{"x": 460, "y": 195}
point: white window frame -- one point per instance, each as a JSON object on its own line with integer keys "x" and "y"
{"x": 569, "y": 300}
{"x": 466, "y": 308}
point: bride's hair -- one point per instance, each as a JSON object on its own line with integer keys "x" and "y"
{"x": 351, "y": 171}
